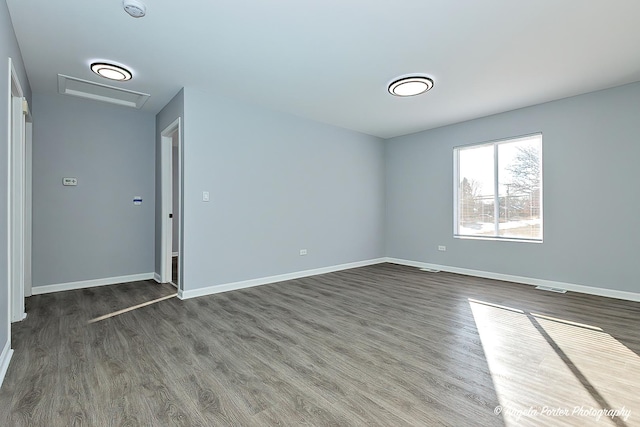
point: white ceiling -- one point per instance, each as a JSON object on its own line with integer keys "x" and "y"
{"x": 331, "y": 60}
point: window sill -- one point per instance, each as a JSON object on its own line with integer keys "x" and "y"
{"x": 500, "y": 239}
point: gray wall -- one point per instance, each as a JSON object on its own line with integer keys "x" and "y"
{"x": 278, "y": 183}
{"x": 170, "y": 112}
{"x": 8, "y": 49}
{"x": 591, "y": 204}
{"x": 92, "y": 231}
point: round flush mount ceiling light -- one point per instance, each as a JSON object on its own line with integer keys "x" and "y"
{"x": 111, "y": 71}
{"x": 134, "y": 8}
{"x": 410, "y": 85}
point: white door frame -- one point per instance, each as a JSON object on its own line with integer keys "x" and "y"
{"x": 28, "y": 205}
{"x": 17, "y": 196}
{"x": 166, "y": 200}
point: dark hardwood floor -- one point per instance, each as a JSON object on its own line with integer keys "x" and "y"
{"x": 380, "y": 345}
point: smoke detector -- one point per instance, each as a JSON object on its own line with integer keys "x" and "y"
{"x": 134, "y": 8}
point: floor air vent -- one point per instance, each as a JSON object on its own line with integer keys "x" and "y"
{"x": 547, "y": 288}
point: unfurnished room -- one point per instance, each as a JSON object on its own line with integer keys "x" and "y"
{"x": 418, "y": 213}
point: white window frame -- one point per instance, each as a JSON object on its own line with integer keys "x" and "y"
{"x": 456, "y": 184}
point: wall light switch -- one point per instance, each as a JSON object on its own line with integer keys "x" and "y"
{"x": 69, "y": 181}
{"x": 205, "y": 196}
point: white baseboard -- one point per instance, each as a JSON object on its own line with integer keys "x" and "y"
{"x": 5, "y": 358}
{"x": 273, "y": 279}
{"x": 157, "y": 277}
{"x": 20, "y": 319}
{"x": 610, "y": 293}
{"x": 36, "y": 290}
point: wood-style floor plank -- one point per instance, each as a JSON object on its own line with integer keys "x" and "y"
{"x": 384, "y": 345}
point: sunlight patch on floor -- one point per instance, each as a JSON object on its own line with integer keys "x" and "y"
{"x": 128, "y": 309}
{"x": 553, "y": 371}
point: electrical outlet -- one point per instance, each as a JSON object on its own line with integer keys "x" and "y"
{"x": 303, "y": 252}
{"x": 442, "y": 248}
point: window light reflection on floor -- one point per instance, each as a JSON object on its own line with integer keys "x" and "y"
{"x": 544, "y": 367}
{"x": 128, "y": 309}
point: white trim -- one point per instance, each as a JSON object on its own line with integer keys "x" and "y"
{"x": 180, "y": 263}
{"x": 497, "y": 239}
{"x": 28, "y": 214}
{"x": 19, "y": 318}
{"x": 226, "y": 287}
{"x": 591, "y": 290}
{"x": 16, "y": 201}
{"x": 59, "y": 287}
{"x": 166, "y": 201}
{"x": 175, "y": 254}
{"x": 496, "y": 191}
{"x": 5, "y": 359}
{"x": 157, "y": 277}
{"x": 8, "y": 201}
{"x": 17, "y": 207}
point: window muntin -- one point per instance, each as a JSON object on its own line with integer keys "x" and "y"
{"x": 498, "y": 189}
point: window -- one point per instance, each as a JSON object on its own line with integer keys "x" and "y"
{"x": 498, "y": 189}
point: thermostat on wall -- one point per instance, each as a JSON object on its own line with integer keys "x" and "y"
{"x": 69, "y": 181}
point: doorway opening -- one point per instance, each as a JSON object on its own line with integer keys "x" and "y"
{"x": 19, "y": 187}
{"x": 171, "y": 202}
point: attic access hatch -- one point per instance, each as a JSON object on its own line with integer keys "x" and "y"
{"x": 100, "y": 92}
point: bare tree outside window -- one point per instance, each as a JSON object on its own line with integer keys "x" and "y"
{"x": 470, "y": 199}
